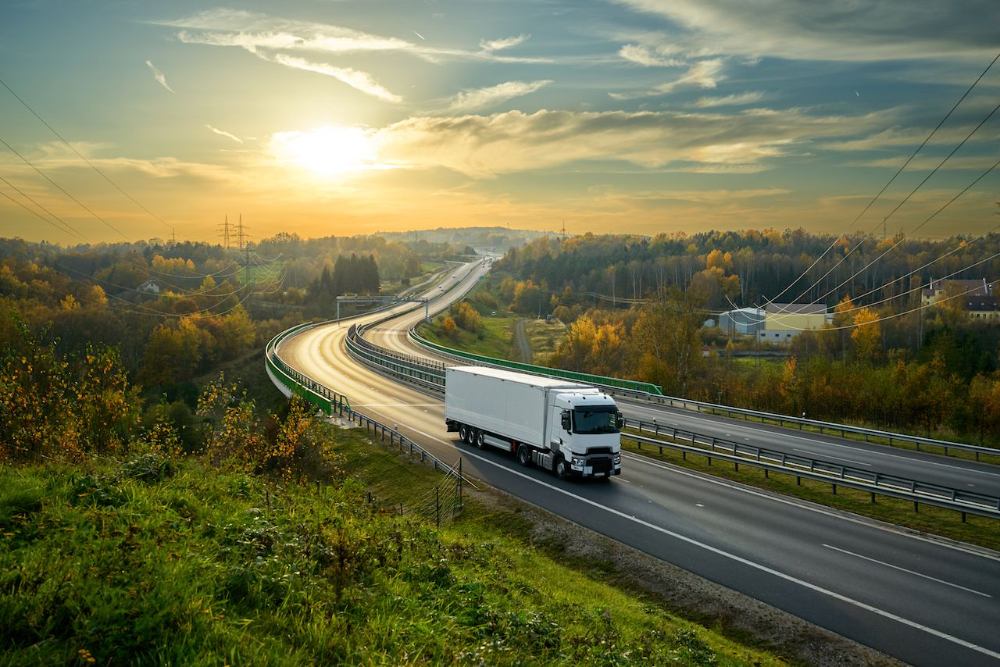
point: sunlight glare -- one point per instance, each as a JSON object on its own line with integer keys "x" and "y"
{"x": 327, "y": 150}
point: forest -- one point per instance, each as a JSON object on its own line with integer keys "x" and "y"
{"x": 157, "y": 320}
{"x": 639, "y": 308}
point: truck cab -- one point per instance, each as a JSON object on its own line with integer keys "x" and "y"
{"x": 585, "y": 427}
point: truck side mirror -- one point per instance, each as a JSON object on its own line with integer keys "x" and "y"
{"x": 565, "y": 420}
{"x": 620, "y": 421}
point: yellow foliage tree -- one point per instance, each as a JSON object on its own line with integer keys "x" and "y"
{"x": 867, "y": 335}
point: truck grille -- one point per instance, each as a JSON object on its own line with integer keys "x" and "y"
{"x": 600, "y": 464}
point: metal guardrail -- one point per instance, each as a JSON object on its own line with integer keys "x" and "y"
{"x": 894, "y": 486}
{"x": 331, "y": 402}
{"x": 822, "y": 426}
{"x": 407, "y": 368}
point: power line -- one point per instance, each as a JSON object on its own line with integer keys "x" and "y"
{"x": 933, "y": 132}
{"x": 68, "y": 229}
{"x": 901, "y": 239}
{"x": 79, "y": 155}
{"x": 56, "y": 185}
{"x": 907, "y": 198}
{"x": 928, "y": 138}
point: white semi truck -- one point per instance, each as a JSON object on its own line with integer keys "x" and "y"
{"x": 568, "y": 428}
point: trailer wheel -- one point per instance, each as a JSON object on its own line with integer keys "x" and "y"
{"x": 562, "y": 471}
{"x": 524, "y": 455}
{"x": 464, "y": 433}
{"x": 481, "y": 440}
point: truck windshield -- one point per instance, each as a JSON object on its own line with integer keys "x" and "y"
{"x": 595, "y": 420}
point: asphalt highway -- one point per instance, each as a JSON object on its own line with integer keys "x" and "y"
{"x": 924, "y": 601}
{"x": 922, "y": 466}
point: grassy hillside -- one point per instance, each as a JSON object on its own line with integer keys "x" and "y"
{"x": 151, "y": 559}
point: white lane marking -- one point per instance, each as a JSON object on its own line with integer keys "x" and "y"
{"x": 811, "y": 508}
{"x": 698, "y": 505}
{"x": 903, "y": 569}
{"x": 823, "y": 443}
{"x": 749, "y": 563}
{"x": 835, "y": 458}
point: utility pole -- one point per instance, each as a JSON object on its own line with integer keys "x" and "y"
{"x": 225, "y": 234}
{"x": 241, "y": 234}
{"x": 173, "y": 236}
{"x": 564, "y": 227}
{"x": 242, "y": 239}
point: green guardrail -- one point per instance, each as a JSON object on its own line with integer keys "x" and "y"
{"x": 299, "y": 384}
{"x": 631, "y": 385}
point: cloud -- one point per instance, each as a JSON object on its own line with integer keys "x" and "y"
{"x": 255, "y": 31}
{"x": 896, "y": 137}
{"x": 500, "y": 44}
{"x": 862, "y": 30}
{"x": 928, "y": 163}
{"x": 736, "y": 99}
{"x": 483, "y": 98}
{"x": 223, "y": 133}
{"x": 354, "y": 78}
{"x": 485, "y": 146}
{"x": 158, "y": 75}
{"x": 702, "y": 74}
{"x": 650, "y": 57}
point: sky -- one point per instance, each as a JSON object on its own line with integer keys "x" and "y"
{"x": 626, "y": 116}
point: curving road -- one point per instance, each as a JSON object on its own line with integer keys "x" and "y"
{"x": 924, "y": 601}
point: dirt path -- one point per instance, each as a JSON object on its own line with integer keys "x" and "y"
{"x": 521, "y": 343}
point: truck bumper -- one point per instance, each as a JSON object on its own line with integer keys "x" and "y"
{"x": 597, "y": 471}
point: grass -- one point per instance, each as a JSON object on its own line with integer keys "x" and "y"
{"x": 544, "y": 337}
{"x": 153, "y": 560}
{"x": 494, "y": 339}
{"x": 981, "y": 531}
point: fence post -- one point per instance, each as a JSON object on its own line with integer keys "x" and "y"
{"x": 437, "y": 505}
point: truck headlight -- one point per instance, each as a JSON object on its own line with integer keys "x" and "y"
{"x": 579, "y": 462}
{"x": 617, "y": 459}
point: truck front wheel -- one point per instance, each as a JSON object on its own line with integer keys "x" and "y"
{"x": 524, "y": 455}
{"x": 562, "y": 470}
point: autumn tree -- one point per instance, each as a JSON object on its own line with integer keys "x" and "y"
{"x": 465, "y": 316}
{"x": 867, "y": 336}
{"x": 665, "y": 341}
{"x": 984, "y": 404}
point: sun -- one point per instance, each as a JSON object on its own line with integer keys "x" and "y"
{"x": 327, "y": 150}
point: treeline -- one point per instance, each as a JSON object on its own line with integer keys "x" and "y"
{"x": 350, "y": 275}
{"x": 882, "y": 361}
{"x": 750, "y": 266}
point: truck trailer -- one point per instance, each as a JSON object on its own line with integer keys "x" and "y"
{"x": 568, "y": 428}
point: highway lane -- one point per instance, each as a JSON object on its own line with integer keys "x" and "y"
{"x": 950, "y": 472}
{"x": 919, "y": 600}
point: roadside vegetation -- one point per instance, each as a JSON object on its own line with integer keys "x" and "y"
{"x": 270, "y": 539}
